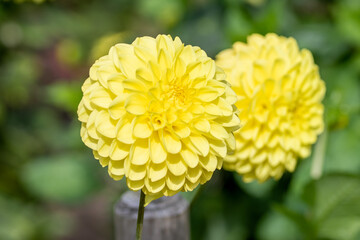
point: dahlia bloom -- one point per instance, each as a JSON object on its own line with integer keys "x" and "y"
{"x": 279, "y": 92}
{"x": 159, "y": 113}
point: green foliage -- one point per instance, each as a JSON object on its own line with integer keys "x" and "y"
{"x": 19, "y": 221}
{"x": 63, "y": 178}
{"x": 65, "y": 95}
{"x": 255, "y": 189}
{"x": 333, "y": 210}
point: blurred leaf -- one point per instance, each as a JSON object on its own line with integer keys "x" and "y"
{"x": 344, "y": 94}
{"x": 16, "y": 221}
{"x": 19, "y": 74}
{"x": 256, "y": 3}
{"x": 200, "y": 32}
{"x": 65, "y": 95}
{"x": 24, "y": 221}
{"x": 255, "y": 188}
{"x": 347, "y": 15}
{"x": 342, "y": 153}
{"x": 63, "y": 178}
{"x": 335, "y": 205}
{"x": 301, "y": 176}
{"x": 163, "y": 11}
{"x": 69, "y": 52}
{"x": 2, "y": 113}
{"x": 276, "y": 226}
{"x": 219, "y": 229}
{"x": 322, "y": 40}
{"x": 298, "y": 218}
{"x": 11, "y": 34}
{"x": 270, "y": 17}
{"x": 237, "y": 25}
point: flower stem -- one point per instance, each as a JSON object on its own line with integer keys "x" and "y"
{"x": 140, "y": 218}
{"x": 319, "y": 155}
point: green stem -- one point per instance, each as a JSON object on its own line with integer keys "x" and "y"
{"x": 140, "y": 218}
{"x": 319, "y": 155}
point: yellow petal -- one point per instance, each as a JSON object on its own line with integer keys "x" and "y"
{"x": 88, "y": 141}
{"x": 116, "y": 168}
{"x": 226, "y": 108}
{"x": 278, "y": 68}
{"x": 154, "y": 187}
{"x": 259, "y": 157}
{"x": 105, "y": 162}
{"x": 180, "y": 67}
{"x": 144, "y": 53}
{"x": 187, "y": 54}
{"x": 104, "y": 73}
{"x": 218, "y": 147}
{"x": 231, "y": 143}
{"x": 200, "y": 143}
{"x": 217, "y": 131}
{"x": 190, "y": 158}
{"x": 262, "y": 172}
{"x": 115, "y": 83}
{"x": 207, "y": 94}
{"x": 175, "y": 183}
{"x": 157, "y": 150}
{"x": 119, "y": 150}
{"x": 137, "y": 172}
{"x": 128, "y": 65}
{"x": 202, "y": 125}
{"x": 205, "y": 176}
{"x": 181, "y": 130}
{"x": 213, "y": 109}
{"x": 144, "y": 75}
{"x": 164, "y": 59}
{"x": 125, "y": 132}
{"x": 209, "y": 162}
{"x": 189, "y": 186}
{"x": 134, "y": 185}
{"x": 83, "y": 114}
{"x": 165, "y": 43}
{"x": 231, "y": 121}
{"x": 157, "y": 171}
{"x": 142, "y": 127}
{"x": 139, "y": 152}
{"x": 117, "y": 111}
{"x": 209, "y": 67}
{"x": 276, "y": 157}
{"x": 193, "y": 174}
{"x": 171, "y": 143}
{"x": 105, "y": 125}
{"x": 90, "y": 125}
{"x": 103, "y": 148}
{"x": 136, "y": 104}
{"x": 175, "y": 164}
{"x": 290, "y": 163}
{"x": 134, "y": 85}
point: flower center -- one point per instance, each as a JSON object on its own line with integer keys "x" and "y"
{"x": 157, "y": 121}
{"x": 176, "y": 93}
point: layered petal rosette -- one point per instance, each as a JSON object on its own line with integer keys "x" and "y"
{"x": 279, "y": 92}
{"x": 159, "y": 113}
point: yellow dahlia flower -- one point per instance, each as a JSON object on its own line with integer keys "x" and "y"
{"x": 159, "y": 113}
{"x": 279, "y": 94}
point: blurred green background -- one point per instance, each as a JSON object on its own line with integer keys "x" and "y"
{"x": 52, "y": 188}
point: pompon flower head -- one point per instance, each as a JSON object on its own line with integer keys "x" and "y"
{"x": 279, "y": 94}
{"x": 159, "y": 113}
